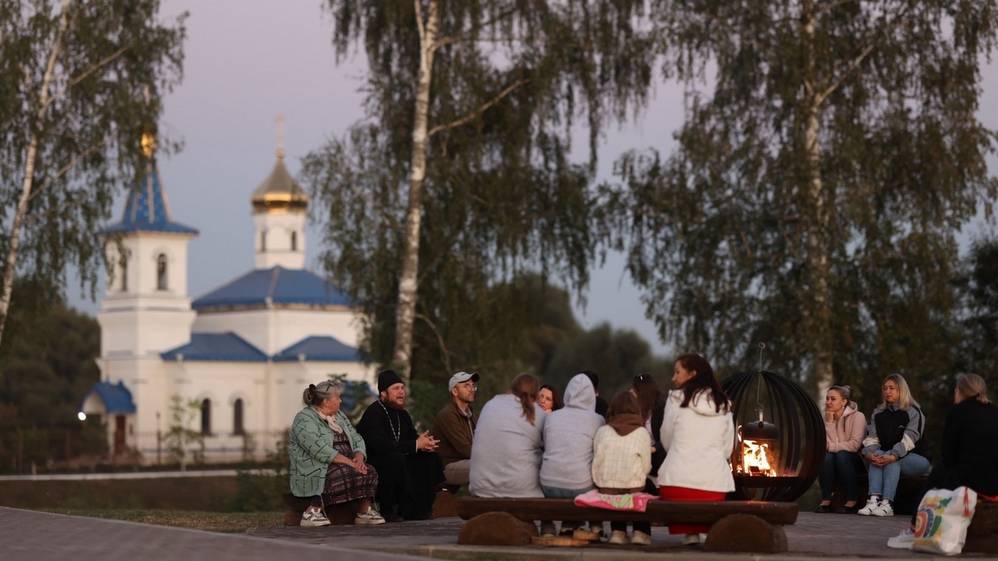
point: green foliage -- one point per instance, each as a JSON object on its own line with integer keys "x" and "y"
{"x": 502, "y": 195}
{"x": 180, "y": 436}
{"x": 47, "y": 362}
{"x": 733, "y": 234}
{"x": 117, "y": 53}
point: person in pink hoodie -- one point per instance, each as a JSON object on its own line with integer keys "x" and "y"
{"x": 845, "y": 427}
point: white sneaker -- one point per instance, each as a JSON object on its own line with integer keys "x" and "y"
{"x": 691, "y": 539}
{"x": 618, "y": 537}
{"x": 369, "y": 518}
{"x": 313, "y": 518}
{"x": 883, "y": 509}
{"x": 871, "y": 504}
{"x": 902, "y": 540}
{"x": 640, "y": 538}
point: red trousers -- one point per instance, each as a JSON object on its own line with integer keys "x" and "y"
{"x": 685, "y": 494}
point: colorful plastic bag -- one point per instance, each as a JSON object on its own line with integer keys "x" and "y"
{"x": 631, "y": 501}
{"x": 942, "y": 520}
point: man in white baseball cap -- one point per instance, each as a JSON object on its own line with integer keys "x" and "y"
{"x": 454, "y": 427}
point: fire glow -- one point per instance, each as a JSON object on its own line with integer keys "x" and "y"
{"x": 757, "y": 460}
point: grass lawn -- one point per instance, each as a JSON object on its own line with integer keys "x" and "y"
{"x": 230, "y": 522}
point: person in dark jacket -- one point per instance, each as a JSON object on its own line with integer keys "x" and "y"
{"x": 893, "y": 445}
{"x": 970, "y": 447}
{"x": 408, "y": 469}
{"x": 454, "y": 428}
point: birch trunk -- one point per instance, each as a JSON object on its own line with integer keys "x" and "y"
{"x": 817, "y": 231}
{"x": 405, "y": 312}
{"x": 44, "y": 97}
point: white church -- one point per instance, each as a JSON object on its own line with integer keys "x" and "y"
{"x": 243, "y": 352}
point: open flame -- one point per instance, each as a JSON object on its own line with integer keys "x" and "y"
{"x": 757, "y": 459}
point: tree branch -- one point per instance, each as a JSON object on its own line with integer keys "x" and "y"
{"x": 447, "y": 40}
{"x": 419, "y": 21}
{"x": 477, "y": 112}
{"x": 855, "y": 62}
{"x": 104, "y": 62}
{"x": 444, "y": 353}
{"x": 70, "y": 165}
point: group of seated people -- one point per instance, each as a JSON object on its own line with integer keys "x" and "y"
{"x": 531, "y": 443}
{"x": 891, "y": 445}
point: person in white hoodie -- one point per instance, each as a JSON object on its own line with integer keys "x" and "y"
{"x": 566, "y": 468}
{"x": 698, "y": 433}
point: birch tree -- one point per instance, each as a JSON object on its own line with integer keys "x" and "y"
{"x": 81, "y": 83}
{"x": 464, "y": 99}
{"x": 814, "y": 196}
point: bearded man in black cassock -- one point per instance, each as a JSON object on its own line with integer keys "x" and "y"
{"x": 409, "y": 472}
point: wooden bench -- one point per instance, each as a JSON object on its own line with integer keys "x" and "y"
{"x": 982, "y": 535}
{"x": 744, "y": 526}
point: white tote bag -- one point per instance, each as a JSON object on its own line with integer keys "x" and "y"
{"x": 942, "y": 520}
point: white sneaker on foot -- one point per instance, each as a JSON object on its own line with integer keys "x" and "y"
{"x": 313, "y": 518}
{"x": 902, "y": 540}
{"x": 885, "y": 508}
{"x": 640, "y": 538}
{"x": 872, "y": 503}
{"x": 691, "y": 539}
{"x": 369, "y": 518}
{"x": 618, "y": 537}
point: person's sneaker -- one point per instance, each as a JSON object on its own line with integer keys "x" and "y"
{"x": 902, "y": 540}
{"x": 313, "y": 518}
{"x": 691, "y": 539}
{"x": 369, "y": 518}
{"x": 640, "y": 538}
{"x": 591, "y": 535}
{"x": 871, "y": 504}
{"x": 618, "y": 537}
{"x": 885, "y": 508}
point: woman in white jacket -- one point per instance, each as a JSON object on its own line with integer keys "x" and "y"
{"x": 698, "y": 433}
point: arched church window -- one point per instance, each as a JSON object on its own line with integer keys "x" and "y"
{"x": 161, "y": 283}
{"x": 237, "y": 417}
{"x": 294, "y": 241}
{"x": 263, "y": 241}
{"x": 206, "y": 416}
{"x": 124, "y": 272}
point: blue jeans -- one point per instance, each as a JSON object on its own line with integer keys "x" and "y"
{"x": 884, "y": 480}
{"x": 561, "y": 493}
{"x": 839, "y": 466}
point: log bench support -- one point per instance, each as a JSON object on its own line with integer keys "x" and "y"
{"x": 982, "y": 535}
{"x": 737, "y": 526}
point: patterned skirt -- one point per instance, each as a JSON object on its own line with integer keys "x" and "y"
{"x": 344, "y": 483}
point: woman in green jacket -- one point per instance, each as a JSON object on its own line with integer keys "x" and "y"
{"x": 328, "y": 458}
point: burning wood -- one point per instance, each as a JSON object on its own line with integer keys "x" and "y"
{"x": 757, "y": 459}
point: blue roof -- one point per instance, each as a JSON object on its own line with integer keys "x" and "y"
{"x": 146, "y": 209}
{"x": 116, "y": 397}
{"x": 276, "y": 285}
{"x": 319, "y": 348}
{"x": 216, "y": 346}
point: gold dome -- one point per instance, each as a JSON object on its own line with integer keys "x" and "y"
{"x": 279, "y": 192}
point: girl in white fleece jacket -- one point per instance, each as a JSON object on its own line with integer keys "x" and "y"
{"x": 621, "y": 460}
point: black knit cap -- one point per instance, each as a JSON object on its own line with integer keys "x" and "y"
{"x": 386, "y": 378}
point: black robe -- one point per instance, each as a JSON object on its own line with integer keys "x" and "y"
{"x": 407, "y": 479}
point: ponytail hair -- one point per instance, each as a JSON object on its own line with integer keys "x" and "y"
{"x": 973, "y": 386}
{"x": 525, "y": 388}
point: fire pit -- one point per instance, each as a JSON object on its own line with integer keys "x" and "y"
{"x": 781, "y": 437}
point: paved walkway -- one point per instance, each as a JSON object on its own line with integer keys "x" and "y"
{"x": 40, "y": 536}
{"x": 814, "y": 535}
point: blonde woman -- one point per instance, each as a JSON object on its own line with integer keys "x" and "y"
{"x": 845, "y": 427}
{"x": 893, "y": 445}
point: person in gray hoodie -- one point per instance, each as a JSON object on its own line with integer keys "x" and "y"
{"x": 566, "y": 467}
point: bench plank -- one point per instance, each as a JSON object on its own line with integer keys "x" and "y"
{"x": 665, "y": 512}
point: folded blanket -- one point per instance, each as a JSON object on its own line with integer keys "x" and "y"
{"x": 631, "y": 501}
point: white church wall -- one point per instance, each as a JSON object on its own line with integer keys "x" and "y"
{"x": 273, "y": 243}
{"x": 275, "y": 329}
